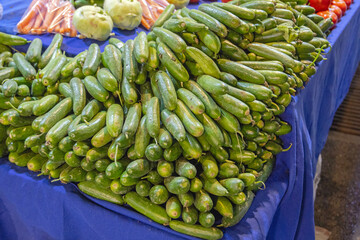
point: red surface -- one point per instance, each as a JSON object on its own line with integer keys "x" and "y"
{"x": 327, "y": 14}
{"x": 320, "y": 5}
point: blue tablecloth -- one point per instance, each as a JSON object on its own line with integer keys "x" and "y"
{"x": 33, "y": 208}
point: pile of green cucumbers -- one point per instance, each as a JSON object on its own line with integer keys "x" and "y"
{"x": 182, "y": 124}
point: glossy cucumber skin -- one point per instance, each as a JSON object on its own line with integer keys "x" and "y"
{"x": 171, "y": 62}
{"x": 165, "y": 15}
{"x": 107, "y": 79}
{"x": 114, "y": 119}
{"x": 95, "y": 89}
{"x": 46, "y": 56}
{"x": 196, "y": 230}
{"x": 92, "y": 189}
{"x": 173, "y": 125}
{"x": 26, "y": 69}
{"x": 153, "y": 117}
{"x": 146, "y": 207}
{"x": 58, "y": 112}
{"x": 130, "y": 64}
{"x": 83, "y": 131}
{"x": 213, "y": 24}
{"x": 92, "y": 60}
{"x": 33, "y": 53}
{"x": 111, "y": 59}
{"x": 79, "y": 98}
{"x": 207, "y": 65}
{"x": 211, "y": 108}
{"x": 141, "y": 48}
{"x": 174, "y": 41}
{"x": 192, "y": 125}
{"x": 52, "y": 75}
{"x": 167, "y": 89}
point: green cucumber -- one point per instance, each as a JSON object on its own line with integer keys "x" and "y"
{"x": 167, "y": 89}
{"x": 85, "y": 131}
{"x": 147, "y": 208}
{"x": 241, "y": 71}
{"x": 211, "y": 108}
{"x": 153, "y": 117}
{"x": 92, "y": 60}
{"x": 90, "y": 110}
{"x": 172, "y": 64}
{"x": 107, "y": 80}
{"x": 33, "y": 54}
{"x": 94, "y": 190}
{"x": 141, "y": 48}
{"x": 207, "y": 65}
{"x": 95, "y": 89}
{"x": 26, "y": 69}
{"x": 130, "y": 64}
{"x": 172, "y": 40}
{"x": 173, "y": 124}
{"x": 79, "y": 98}
{"x": 52, "y": 75}
{"x": 213, "y": 24}
{"x": 58, "y": 112}
{"x": 132, "y": 120}
{"x": 142, "y": 138}
{"x": 58, "y": 131}
{"x": 111, "y": 59}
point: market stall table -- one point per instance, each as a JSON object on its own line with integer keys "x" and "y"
{"x": 32, "y": 207}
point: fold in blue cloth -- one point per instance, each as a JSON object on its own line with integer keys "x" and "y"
{"x": 33, "y": 208}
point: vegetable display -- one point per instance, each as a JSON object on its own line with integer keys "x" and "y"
{"x": 333, "y": 9}
{"x": 126, "y": 14}
{"x": 181, "y": 124}
{"x": 93, "y": 22}
{"x": 48, "y": 16}
{"x": 151, "y": 10}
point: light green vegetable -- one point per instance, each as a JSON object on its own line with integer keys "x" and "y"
{"x": 93, "y": 22}
{"x": 126, "y": 14}
{"x": 179, "y": 3}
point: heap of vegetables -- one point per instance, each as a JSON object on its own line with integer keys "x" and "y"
{"x": 182, "y": 123}
{"x": 333, "y": 9}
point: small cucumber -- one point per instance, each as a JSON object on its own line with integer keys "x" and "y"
{"x": 52, "y": 75}
{"x": 53, "y": 47}
{"x": 79, "y": 96}
{"x": 58, "y": 112}
{"x": 167, "y": 89}
{"x": 85, "y": 131}
{"x": 141, "y": 48}
{"x": 26, "y": 69}
{"x": 132, "y": 120}
{"x": 207, "y": 65}
{"x": 92, "y": 60}
{"x": 196, "y": 230}
{"x": 111, "y": 59}
{"x": 147, "y": 208}
{"x": 211, "y": 108}
{"x": 33, "y": 54}
{"x": 213, "y": 24}
{"x": 130, "y": 64}
{"x": 172, "y": 40}
{"x": 114, "y": 120}
{"x": 173, "y": 124}
{"x": 95, "y": 89}
{"x": 94, "y": 190}
{"x": 172, "y": 64}
{"x": 153, "y": 117}
{"x": 107, "y": 80}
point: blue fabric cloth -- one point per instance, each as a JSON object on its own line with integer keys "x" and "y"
{"x": 33, "y": 208}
